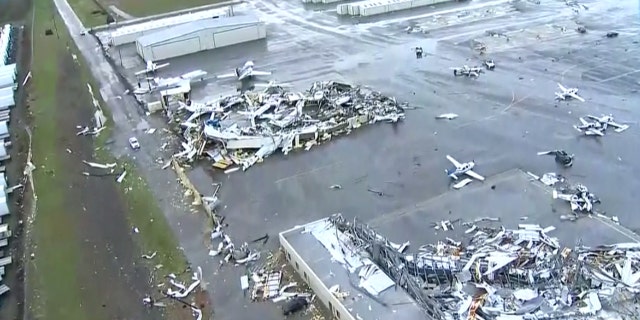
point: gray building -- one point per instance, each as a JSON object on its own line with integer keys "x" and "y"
{"x": 321, "y": 255}
{"x": 198, "y": 36}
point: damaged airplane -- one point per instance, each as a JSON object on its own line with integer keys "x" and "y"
{"x": 462, "y": 168}
{"x": 472, "y": 72}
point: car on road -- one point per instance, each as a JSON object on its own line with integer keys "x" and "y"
{"x": 133, "y": 142}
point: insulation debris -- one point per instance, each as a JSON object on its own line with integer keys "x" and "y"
{"x": 241, "y": 130}
{"x": 500, "y": 273}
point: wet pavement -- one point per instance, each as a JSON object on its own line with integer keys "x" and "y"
{"x": 506, "y": 115}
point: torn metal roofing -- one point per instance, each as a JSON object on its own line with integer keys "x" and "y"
{"x": 195, "y": 26}
{"x": 499, "y": 273}
{"x": 336, "y": 262}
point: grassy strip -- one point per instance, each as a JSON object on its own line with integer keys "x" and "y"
{"x": 87, "y": 10}
{"x": 53, "y": 278}
{"x": 155, "y": 233}
{"x": 56, "y": 291}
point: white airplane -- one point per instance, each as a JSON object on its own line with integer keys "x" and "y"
{"x": 465, "y": 70}
{"x": 168, "y": 83}
{"x": 590, "y": 128}
{"x": 245, "y": 72}
{"x": 568, "y": 93}
{"x": 152, "y": 67}
{"x": 462, "y": 168}
{"x": 607, "y": 120}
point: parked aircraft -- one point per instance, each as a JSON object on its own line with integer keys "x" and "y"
{"x": 473, "y": 72}
{"x": 590, "y": 128}
{"x": 462, "y": 168}
{"x": 156, "y": 84}
{"x": 607, "y": 120}
{"x": 152, "y": 67}
{"x": 247, "y": 71}
{"x": 568, "y": 93}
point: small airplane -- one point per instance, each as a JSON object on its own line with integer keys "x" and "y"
{"x": 465, "y": 70}
{"x": 151, "y": 68}
{"x": 462, "y": 168}
{"x": 156, "y": 84}
{"x": 590, "y": 128}
{"x": 568, "y": 93}
{"x": 581, "y": 199}
{"x": 561, "y": 157}
{"x": 607, "y": 120}
{"x": 247, "y": 71}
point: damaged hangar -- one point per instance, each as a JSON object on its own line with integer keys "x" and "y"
{"x": 198, "y": 36}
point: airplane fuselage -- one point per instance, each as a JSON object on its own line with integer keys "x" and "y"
{"x": 457, "y": 171}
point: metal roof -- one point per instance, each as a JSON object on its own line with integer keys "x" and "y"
{"x": 170, "y": 21}
{"x": 195, "y": 26}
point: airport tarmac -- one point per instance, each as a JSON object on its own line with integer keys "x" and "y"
{"x": 506, "y": 116}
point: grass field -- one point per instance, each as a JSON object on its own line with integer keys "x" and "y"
{"x": 89, "y": 10}
{"x": 59, "y": 286}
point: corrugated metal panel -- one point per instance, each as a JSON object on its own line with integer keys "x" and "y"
{"x": 235, "y": 36}
{"x": 193, "y": 27}
{"x": 177, "y": 48}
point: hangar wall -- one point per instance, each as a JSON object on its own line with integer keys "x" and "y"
{"x": 199, "y": 36}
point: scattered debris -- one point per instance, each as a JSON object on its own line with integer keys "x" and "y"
{"x": 447, "y": 116}
{"x": 99, "y": 165}
{"x": 612, "y": 34}
{"x": 578, "y": 196}
{"x": 335, "y": 186}
{"x": 489, "y": 64}
{"x": 150, "y": 256}
{"x": 419, "y": 52}
{"x": 561, "y": 157}
{"x": 581, "y": 29}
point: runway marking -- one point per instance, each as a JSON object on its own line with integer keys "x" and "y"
{"x": 621, "y": 230}
{"x": 304, "y": 173}
{"x": 565, "y": 72}
{"x": 619, "y": 76}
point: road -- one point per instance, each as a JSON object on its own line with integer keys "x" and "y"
{"x": 506, "y": 116}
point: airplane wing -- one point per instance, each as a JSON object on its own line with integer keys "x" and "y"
{"x": 575, "y": 96}
{"x": 141, "y": 72}
{"x": 162, "y": 66}
{"x": 542, "y": 153}
{"x": 558, "y": 195}
{"x": 583, "y": 121}
{"x": 562, "y": 87}
{"x": 619, "y": 127}
{"x": 454, "y": 161}
{"x": 594, "y": 132}
{"x": 260, "y": 73}
{"x": 227, "y": 75}
{"x": 475, "y": 175}
{"x": 594, "y": 118}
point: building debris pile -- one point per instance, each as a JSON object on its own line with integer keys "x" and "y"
{"x": 578, "y": 195}
{"x": 267, "y": 283}
{"x": 227, "y": 249}
{"x": 241, "y": 130}
{"x": 497, "y": 273}
{"x": 177, "y": 291}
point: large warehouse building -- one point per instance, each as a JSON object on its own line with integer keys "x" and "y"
{"x": 199, "y": 36}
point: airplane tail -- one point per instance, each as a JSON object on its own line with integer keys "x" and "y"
{"x": 447, "y": 171}
{"x": 238, "y": 72}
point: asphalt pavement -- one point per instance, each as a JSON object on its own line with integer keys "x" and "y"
{"x": 506, "y": 115}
